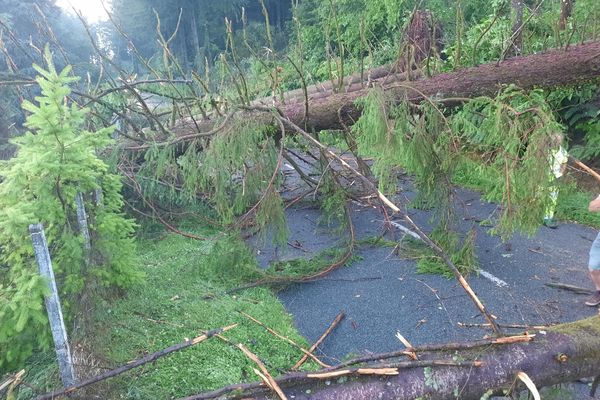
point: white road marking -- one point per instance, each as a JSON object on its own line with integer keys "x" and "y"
{"x": 405, "y": 230}
{"x": 499, "y": 282}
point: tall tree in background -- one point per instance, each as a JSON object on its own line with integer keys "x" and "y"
{"x": 200, "y": 31}
{"x": 25, "y": 27}
{"x": 566, "y": 8}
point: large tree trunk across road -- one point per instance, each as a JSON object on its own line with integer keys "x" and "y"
{"x": 575, "y": 65}
{"x": 561, "y": 354}
{"x": 555, "y": 68}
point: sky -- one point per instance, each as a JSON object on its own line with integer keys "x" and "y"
{"x": 91, "y": 9}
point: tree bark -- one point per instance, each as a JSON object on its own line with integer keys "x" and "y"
{"x": 564, "y": 353}
{"x": 566, "y": 8}
{"x": 577, "y": 65}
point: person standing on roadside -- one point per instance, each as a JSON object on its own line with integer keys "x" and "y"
{"x": 594, "y": 261}
{"x": 558, "y": 163}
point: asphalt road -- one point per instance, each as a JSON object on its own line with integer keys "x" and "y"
{"x": 382, "y": 294}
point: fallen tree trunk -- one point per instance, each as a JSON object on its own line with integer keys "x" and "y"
{"x": 564, "y": 353}
{"x": 576, "y": 65}
{"x": 563, "y": 67}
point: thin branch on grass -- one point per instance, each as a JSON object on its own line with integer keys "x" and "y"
{"x": 144, "y": 360}
{"x": 307, "y": 353}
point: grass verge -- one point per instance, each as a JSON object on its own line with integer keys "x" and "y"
{"x": 572, "y": 202}
{"x": 182, "y": 296}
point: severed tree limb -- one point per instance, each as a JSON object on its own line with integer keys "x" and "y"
{"x": 571, "y": 288}
{"x": 331, "y": 327}
{"x": 511, "y": 326}
{"x": 566, "y": 352}
{"x": 134, "y": 364}
{"x": 391, "y": 368}
{"x": 307, "y": 353}
{"x": 585, "y": 168}
{"x": 550, "y": 69}
{"x": 370, "y": 185}
{"x": 430, "y": 348}
{"x": 383, "y": 356}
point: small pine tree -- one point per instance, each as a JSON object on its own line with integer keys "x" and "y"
{"x": 55, "y": 160}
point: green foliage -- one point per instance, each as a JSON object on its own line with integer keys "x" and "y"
{"x": 375, "y": 136}
{"x": 55, "y": 160}
{"x": 573, "y": 206}
{"x": 236, "y": 170}
{"x": 418, "y": 139}
{"x": 334, "y": 204}
{"x": 517, "y": 133}
{"x": 462, "y": 254}
{"x": 580, "y": 114}
{"x": 301, "y": 267}
{"x": 485, "y": 41}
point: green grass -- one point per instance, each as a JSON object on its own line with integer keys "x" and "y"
{"x": 573, "y": 206}
{"x": 572, "y": 202}
{"x": 182, "y": 296}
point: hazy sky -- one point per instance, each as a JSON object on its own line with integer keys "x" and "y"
{"x": 91, "y": 9}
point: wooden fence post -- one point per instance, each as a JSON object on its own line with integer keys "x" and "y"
{"x": 83, "y": 225}
{"x": 55, "y": 316}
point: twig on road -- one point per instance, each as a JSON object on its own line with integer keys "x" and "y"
{"x": 571, "y": 288}
{"x": 331, "y": 327}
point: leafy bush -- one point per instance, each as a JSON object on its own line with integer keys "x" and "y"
{"x": 54, "y": 162}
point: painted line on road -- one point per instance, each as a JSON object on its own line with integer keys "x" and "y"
{"x": 405, "y": 230}
{"x": 497, "y": 281}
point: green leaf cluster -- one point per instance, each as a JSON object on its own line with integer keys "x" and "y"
{"x": 236, "y": 170}
{"x": 419, "y": 139}
{"x": 516, "y": 132}
{"x": 55, "y": 160}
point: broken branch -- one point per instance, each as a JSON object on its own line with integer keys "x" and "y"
{"x": 134, "y": 364}
{"x": 329, "y": 329}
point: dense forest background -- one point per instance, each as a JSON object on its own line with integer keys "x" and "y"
{"x": 324, "y": 38}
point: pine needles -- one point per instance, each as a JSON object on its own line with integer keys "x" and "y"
{"x": 514, "y": 134}
{"x": 517, "y": 132}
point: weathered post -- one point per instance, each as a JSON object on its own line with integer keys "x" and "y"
{"x": 83, "y": 225}
{"x": 98, "y": 197}
{"x": 55, "y": 316}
